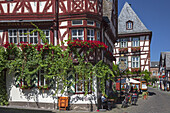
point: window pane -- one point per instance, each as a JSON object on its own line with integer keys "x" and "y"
{"x": 25, "y": 39}
{"x": 90, "y": 22}
{"x": 80, "y": 32}
{"x": 31, "y": 40}
{"x": 35, "y": 40}
{"x": 77, "y": 22}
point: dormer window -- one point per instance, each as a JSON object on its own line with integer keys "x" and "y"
{"x": 129, "y": 25}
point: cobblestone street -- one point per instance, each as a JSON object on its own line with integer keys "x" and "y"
{"x": 157, "y": 102}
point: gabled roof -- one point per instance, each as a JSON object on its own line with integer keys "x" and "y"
{"x": 127, "y": 14}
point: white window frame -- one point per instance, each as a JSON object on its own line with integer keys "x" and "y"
{"x": 91, "y": 34}
{"x": 89, "y": 22}
{"x": 33, "y": 36}
{"x": 12, "y": 36}
{"x": 22, "y": 35}
{"x": 41, "y": 74}
{"x": 47, "y": 36}
{"x": 123, "y": 43}
{"x": 129, "y": 25}
{"x": 135, "y": 42}
{"x": 83, "y": 85}
{"x": 81, "y": 22}
{"x": 77, "y": 36}
{"x": 135, "y": 62}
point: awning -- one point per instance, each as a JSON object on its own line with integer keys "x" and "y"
{"x": 133, "y": 81}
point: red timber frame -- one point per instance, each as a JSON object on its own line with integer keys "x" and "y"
{"x": 118, "y": 55}
{"x": 24, "y": 10}
{"x": 19, "y": 13}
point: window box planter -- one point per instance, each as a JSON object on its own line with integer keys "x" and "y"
{"x": 135, "y": 69}
{"x": 135, "y": 49}
{"x": 123, "y": 50}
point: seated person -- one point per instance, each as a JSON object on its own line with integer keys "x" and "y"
{"x": 103, "y": 98}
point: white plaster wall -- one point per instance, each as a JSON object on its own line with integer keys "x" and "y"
{"x": 1, "y": 34}
{"x": 143, "y": 56}
{"x": 16, "y": 94}
{"x": 4, "y": 6}
{"x": 42, "y": 5}
{"x": 146, "y": 68}
{"x": 141, "y": 43}
{"x": 34, "y": 6}
{"x": 33, "y": 95}
{"x": 88, "y": 99}
{"x": 12, "y": 6}
{"x": 64, "y": 23}
{"x": 146, "y": 43}
{"x": 146, "y": 48}
{"x": 62, "y": 31}
{"x": 50, "y": 8}
{"x": 142, "y": 62}
{"x": 55, "y": 37}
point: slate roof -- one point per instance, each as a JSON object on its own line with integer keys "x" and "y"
{"x": 154, "y": 64}
{"x": 127, "y": 14}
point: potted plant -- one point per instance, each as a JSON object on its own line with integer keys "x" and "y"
{"x": 144, "y": 95}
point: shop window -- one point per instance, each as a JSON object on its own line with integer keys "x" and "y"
{"x": 135, "y": 62}
{"x": 77, "y": 34}
{"x": 90, "y": 34}
{"x": 77, "y": 22}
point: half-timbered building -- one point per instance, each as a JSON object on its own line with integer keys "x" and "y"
{"x": 60, "y": 20}
{"x": 134, "y": 39}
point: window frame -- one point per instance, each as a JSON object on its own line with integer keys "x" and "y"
{"x": 83, "y": 86}
{"x": 129, "y": 25}
{"x": 77, "y": 24}
{"x": 135, "y": 61}
{"x": 77, "y": 36}
{"x": 135, "y": 43}
{"x": 91, "y": 36}
{"x": 13, "y": 36}
{"x": 47, "y": 37}
{"x": 98, "y": 35}
{"x": 23, "y": 35}
{"x": 33, "y": 36}
{"x": 123, "y": 43}
{"x": 91, "y": 21}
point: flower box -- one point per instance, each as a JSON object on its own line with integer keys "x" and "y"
{"x": 135, "y": 69}
{"x": 123, "y": 50}
{"x": 135, "y": 49}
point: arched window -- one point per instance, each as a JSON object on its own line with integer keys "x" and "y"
{"x": 129, "y": 25}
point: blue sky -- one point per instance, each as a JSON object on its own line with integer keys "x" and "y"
{"x": 155, "y": 14}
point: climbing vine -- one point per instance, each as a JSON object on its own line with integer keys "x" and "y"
{"x": 28, "y": 60}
